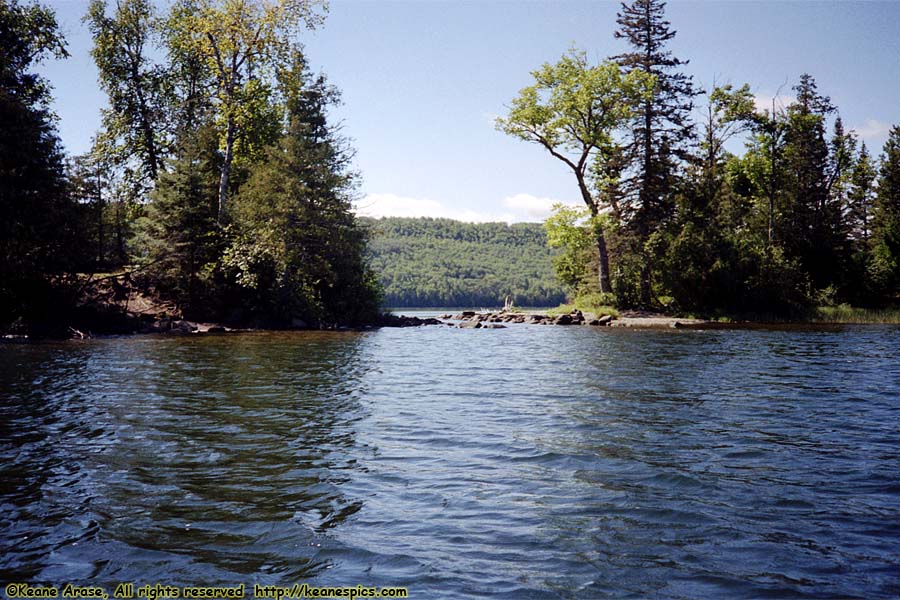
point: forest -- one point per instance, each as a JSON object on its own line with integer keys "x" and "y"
{"x": 216, "y": 182}
{"x": 440, "y": 262}
{"x": 806, "y": 216}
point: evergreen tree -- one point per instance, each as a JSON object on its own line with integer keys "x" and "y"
{"x": 703, "y": 268}
{"x": 810, "y": 229}
{"x": 301, "y": 250}
{"x": 859, "y": 199}
{"x": 87, "y": 175}
{"x": 184, "y": 240}
{"x": 884, "y": 264}
{"x": 37, "y": 241}
{"x": 661, "y": 130}
{"x": 241, "y": 44}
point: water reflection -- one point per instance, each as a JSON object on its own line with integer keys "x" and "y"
{"x": 229, "y": 452}
{"x": 524, "y": 462}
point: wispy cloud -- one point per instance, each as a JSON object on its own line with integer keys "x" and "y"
{"x": 872, "y": 129}
{"x": 511, "y": 209}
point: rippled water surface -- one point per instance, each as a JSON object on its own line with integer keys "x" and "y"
{"x": 523, "y": 462}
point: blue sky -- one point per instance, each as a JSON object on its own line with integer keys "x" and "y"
{"x": 423, "y": 82}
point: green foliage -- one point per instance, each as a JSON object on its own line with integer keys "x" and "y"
{"x": 182, "y": 240}
{"x": 300, "y": 252}
{"x": 573, "y": 110}
{"x": 574, "y": 107}
{"x": 844, "y": 313}
{"x": 588, "y": 302}
{"x": 884, "y": 264}
{"x": 242, "y": 46}
{"x": 569, "y": 231}
{"x": 38, "y": 240}
{"x": 232, "y": 108}
{"x": 135, "y": 123}
{"x": 440, "y": 262}
{"x": 659, "y": 134}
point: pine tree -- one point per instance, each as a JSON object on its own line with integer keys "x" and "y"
{"x": 301, "y": 248}
{"x": 884, "y": 265}
{"x": 185, "y": 241}
{"x": 812, "y": 230}
{"x": 661, "y": 129}
{"x": 859, "y": 199}
{"x": 37, "y": 241}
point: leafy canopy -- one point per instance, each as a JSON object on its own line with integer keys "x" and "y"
{"x": 573, "y": 107}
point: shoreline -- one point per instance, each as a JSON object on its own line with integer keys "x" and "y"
{"x": 642, "y": 320}
{"x": 140, "y": 325}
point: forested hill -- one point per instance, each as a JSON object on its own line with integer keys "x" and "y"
{"x": 441, "y": 262}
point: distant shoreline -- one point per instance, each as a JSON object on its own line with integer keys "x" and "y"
{"x": 117, "y": 324}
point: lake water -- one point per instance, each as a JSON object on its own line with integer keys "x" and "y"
{"x": 528, "y": 462}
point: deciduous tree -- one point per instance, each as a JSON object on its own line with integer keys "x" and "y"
{"x": 572, "y": 111}
{"x": 243, "y": 44}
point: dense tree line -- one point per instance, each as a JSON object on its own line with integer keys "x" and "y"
{"x": 672, "y": 219}
{"x": 440, "y": 262}
{"x": 216, "y": 179}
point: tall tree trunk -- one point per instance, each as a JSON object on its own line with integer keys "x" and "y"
{"x": 226, "y": 169}
{"x": 646, "y": 287}
{"x": 120, "y": 232}
{"x": 603, "y": 268}
{"x": 603, "y": 271}
{"x": 774, "y": 142}
{"x": 146, "y": 124}
{"x": 99, "y": 219}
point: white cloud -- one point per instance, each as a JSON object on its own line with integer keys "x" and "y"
{"x": 535, "y": 208}
{"x": 511, "y": 209}
{"x": 763, "y": 102}
{"x": 873, "y": 129}
{"x": 392, "y": 205}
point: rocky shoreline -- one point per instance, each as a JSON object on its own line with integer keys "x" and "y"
{"x": 500, "y": 319}
{"x": 162, "y": 324}
{"x": 148, "y": 324}
{"x": 469, "y": 319}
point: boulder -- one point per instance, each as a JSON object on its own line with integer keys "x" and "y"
{"x": 402, "y": 321}
{"x": 182, "y": 327}
{"x": 470, "y": 325}
{"x": 563, "y": 320}
{"x": 605, "y": 320}
{"x": 494, "y": 326}
{"x": 159, "y": 325}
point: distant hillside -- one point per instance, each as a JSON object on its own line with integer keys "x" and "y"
{"x": 441, "y": 262}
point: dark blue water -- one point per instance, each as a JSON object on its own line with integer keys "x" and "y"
{"x": 529, "y": 462}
